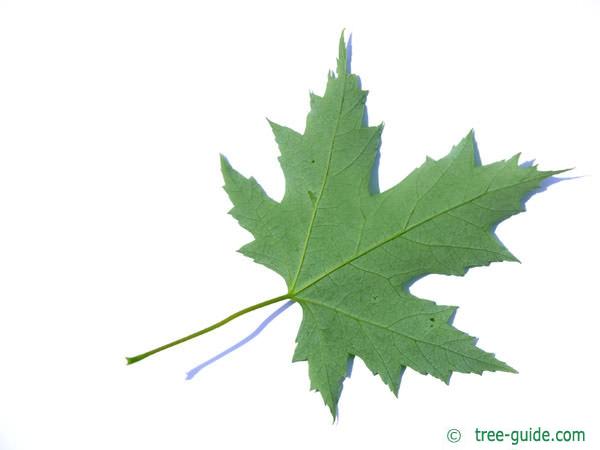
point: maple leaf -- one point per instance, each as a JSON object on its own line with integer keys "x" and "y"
{"x": 349, "y": 253}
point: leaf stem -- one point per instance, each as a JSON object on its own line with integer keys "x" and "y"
{"x": 134, "y": 359}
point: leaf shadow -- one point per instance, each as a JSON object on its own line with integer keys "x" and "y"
{"x": 192, "y": 373}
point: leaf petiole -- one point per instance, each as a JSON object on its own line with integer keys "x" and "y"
{"x": 134, "y": 359}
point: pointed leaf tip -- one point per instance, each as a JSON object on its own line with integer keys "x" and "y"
{"x": 224, "y": 161}
{"x": 342, "y": 61}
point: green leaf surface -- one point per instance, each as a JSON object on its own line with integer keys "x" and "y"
{"x": 349, "y": 253}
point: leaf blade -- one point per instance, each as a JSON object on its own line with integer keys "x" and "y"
{"x": 349, "y": 253}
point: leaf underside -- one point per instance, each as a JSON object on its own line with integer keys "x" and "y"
{"x": 349, "y": 253}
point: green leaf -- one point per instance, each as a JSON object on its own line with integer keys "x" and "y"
{"x": 349, "y": 253}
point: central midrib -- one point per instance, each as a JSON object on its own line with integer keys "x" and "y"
{"x": 403, "y": 232}
{"x": 318, "y": 200}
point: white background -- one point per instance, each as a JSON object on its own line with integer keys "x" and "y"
{"x": 114, "y": 236}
